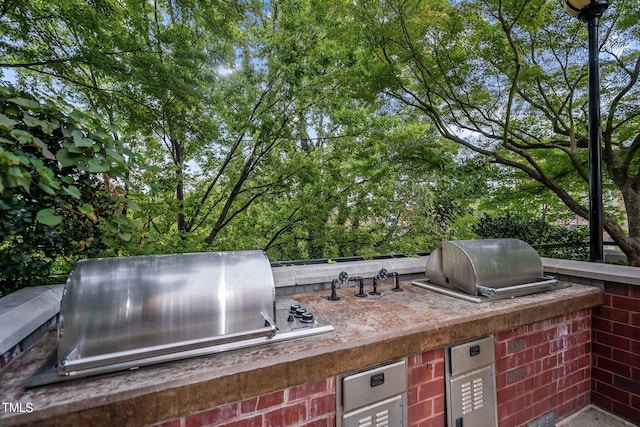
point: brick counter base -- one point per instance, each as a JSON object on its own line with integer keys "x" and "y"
{"x": 312, "y": 404}
{"x": 541, "y": 367}
{"x": 615, "y": 378}
{"x": 426, "y": 389}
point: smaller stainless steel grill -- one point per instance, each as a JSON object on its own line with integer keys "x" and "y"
{"x": 486, "y": 270}
{"x": 123, "y": 313}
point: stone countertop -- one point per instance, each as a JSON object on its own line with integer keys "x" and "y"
{"x": 367, "y": 331}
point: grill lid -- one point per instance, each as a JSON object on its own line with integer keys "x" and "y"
{"x": 488, "y": 269}
{"x": 120, "y": 311}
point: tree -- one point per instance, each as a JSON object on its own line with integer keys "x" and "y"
{"x": 154, "y": 83}
{"x": 250, "y": 120}
{"x": 506, "y": 80}
{"x": 61, "y": 189}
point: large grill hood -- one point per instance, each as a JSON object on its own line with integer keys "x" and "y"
{"x": 117, "y": 310}
{"x": 485, "y": 270}
{"x": 127, "y": 312}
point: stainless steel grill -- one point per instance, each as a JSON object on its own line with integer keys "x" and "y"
{"x": 486, "y": 270}
{"x": 122, "y": 313}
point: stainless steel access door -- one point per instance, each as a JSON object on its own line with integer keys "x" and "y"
{"x": 471, "y": 384}
{"x": 376, "y": 397}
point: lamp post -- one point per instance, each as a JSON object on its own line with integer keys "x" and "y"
{"x": 590, "y": 11}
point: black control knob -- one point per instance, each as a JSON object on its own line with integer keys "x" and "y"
{"x": 307, "y": 317}
{"x": 300, "y": 311}
{"x": 293, "y": 308}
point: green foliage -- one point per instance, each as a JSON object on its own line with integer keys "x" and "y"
{"x": 272, "y": 152}
{"x": 307, "y": 131}
{"x": 549, "y": 240}
{"x": 61, "y": 178}
{"x": 507, "y": 80}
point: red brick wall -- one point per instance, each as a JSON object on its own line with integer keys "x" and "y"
{"x": 543, "y": 367}
{"x": 615, "y": 376}
{"x": 426, "y": 387}
{"x": 314, "y": 404}
{"x": 311, "y": 404}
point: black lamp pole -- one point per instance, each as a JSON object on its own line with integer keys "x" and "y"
{"x": 590, "y": 11}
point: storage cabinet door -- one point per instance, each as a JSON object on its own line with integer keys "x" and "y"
{"x": 473, "y": 399}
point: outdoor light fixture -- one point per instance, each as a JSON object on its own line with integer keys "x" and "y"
{"x": 578, "y": 8}
{"x": 590, "y": 11}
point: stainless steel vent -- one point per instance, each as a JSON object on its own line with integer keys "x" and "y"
{"x": 485, "y": 270}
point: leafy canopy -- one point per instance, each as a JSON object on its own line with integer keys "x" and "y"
{"x": 61, "y": 188}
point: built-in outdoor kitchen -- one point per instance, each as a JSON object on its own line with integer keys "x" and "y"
{"x": 227, "y": 339}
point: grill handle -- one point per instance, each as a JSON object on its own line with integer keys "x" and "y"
{"x": 65, "y": 366}
{"x": 546, "y": 283}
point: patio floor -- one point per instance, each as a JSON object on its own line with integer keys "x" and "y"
{"x": 592, "y": 416}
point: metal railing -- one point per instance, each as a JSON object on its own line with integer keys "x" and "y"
{"x": 346, "y": 259}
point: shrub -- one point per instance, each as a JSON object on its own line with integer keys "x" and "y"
{"x": 61, "y": 188}
{"x": 549, "y": 240}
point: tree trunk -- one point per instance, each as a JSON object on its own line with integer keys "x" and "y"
{"x": 178, "y": 159}
{"x": 629, "y": 244}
